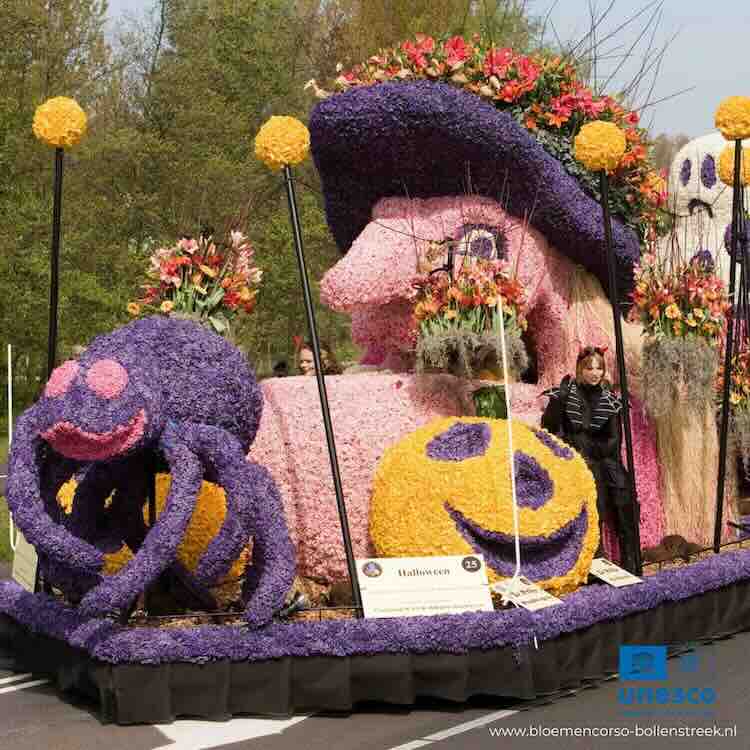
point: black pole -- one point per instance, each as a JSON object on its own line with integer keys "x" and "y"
{"x": 54, "y": 277}
{"x": 620, "y": 352}
{"x": 728, "y": 347}
{"x": 356, "y": 595}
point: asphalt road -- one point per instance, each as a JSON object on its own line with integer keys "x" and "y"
{"x": 33, "y": 715}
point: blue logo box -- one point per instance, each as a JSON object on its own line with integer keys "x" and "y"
{"x": 643, "y": 662}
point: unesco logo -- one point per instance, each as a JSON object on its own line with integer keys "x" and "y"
{"x": 649, "y": 664}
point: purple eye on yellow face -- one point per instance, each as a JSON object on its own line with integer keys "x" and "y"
{"x": 685, "y": 171}
{"x": 708, "y": 171}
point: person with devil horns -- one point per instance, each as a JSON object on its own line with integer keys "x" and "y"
{"x": 585, "y": 413}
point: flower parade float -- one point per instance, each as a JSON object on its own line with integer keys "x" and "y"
{"x": 408, "y": 144}
{"x": 393, "y": 160}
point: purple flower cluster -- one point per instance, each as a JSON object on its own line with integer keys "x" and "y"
{"x": 743, "y": 241}
{"x": 705, "y": 259}
{"x": 452, "y": 634}
{"x": 708, "y": 171}
{"x": 685, "y": 171}
{"x": 420, "y": 138}
{"x": 559, "y": 449}
{"x": 533, "y": 484}
{"x": 459, "y": 442}
{"x": 491, "y": 242}
{"x": 543, "y": 557}
{"x": 197, "y": 403}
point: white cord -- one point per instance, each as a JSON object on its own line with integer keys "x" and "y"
{"x": 510, "y": 588}
{"x": 11, "y": 526}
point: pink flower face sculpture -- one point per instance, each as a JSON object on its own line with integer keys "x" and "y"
{"x": 373, "y": 281}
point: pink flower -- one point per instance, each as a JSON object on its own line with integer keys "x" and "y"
{"x": 456, "y": 50}
{"x": 497, "y": 61}
{"x": 528, "y": 72}
{"x": 416, "y": 52}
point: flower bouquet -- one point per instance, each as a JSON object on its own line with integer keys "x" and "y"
{"x": 458, "y": 320}
{"x": 683, "y": 309}
{"x": 201, "y": 280}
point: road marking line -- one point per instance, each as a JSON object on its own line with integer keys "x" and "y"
{"x": 15, "y": 678}
{"x": 467, "y": 726}
{"x": 13, "y": 688}
{"x": 202, "y": 735}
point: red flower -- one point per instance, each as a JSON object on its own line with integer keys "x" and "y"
{"x": 557, "y": 120}
{"x": 633, "y": 118}
{"x": 456, "y": 50}
{"x": 231, "y": 300}
{"x": 497, "y": 61}
{"x": 416, "y": 52}
{"x": 510, "y": 91}
{"x": 151, "y": 294}
{"x": 527, "y": 71}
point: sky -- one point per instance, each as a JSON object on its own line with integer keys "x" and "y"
{"x": 709, "y": 53}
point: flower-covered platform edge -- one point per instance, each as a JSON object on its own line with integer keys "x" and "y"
{"x": 109, "y": 642}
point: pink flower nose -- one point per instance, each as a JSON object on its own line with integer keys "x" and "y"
{"x": 107, "y": 378}
{"x": 61, "y": 379}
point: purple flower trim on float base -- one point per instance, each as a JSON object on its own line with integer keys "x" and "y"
{"x": 416, "y": 139}
{"x": 453, "y": 634}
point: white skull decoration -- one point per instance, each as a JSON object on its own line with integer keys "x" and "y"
{"x": 700, "y": 202}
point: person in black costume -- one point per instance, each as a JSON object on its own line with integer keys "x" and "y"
{"x": 584, "y": 413}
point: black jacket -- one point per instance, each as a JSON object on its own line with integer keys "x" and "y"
{"x": 588, "y": 419}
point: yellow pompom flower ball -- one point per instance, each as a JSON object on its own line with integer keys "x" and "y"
{"x": 600, "y": 145}
{"x": 282, "y": 141}
{"x": 445, "y": 489}
{"x": 59, "y": 122}
{"x": 733, "y": 117}
{"x": 726, "y": 166}
{"x": 208, "y": 517}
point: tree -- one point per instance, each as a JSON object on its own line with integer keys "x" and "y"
{"x": 665, "y": 147}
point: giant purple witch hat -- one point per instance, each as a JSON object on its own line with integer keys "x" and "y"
{"x": 426, "y": 139}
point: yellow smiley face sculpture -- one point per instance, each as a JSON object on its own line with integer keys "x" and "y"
{"x": 446, "y": 490}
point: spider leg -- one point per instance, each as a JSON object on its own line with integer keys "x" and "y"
{"x": 115, "y": 593}
{"x": 24, "y": 493}
{"x": 253, "y": 508}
